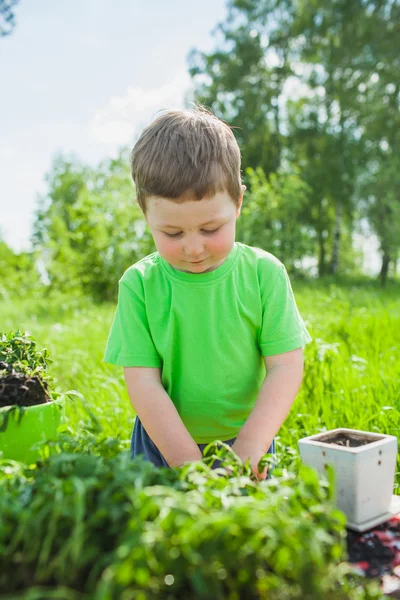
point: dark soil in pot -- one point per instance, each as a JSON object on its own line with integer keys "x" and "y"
{"x": 348, "y": 440}
{"x": 19, "y": 389}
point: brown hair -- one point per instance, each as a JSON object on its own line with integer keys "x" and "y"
{"x": 186, "y": 151}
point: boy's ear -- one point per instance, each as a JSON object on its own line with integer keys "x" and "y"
{"x": 137, "y": 202}
{"x": 240, "y": 202}
{"x": 142, "y": 210}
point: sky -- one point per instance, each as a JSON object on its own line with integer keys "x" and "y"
{"x": 84, "y": 77}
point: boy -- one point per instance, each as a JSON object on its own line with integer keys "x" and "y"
{"x": 206, "y": 328}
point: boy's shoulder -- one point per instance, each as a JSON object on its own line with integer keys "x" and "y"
{"x": 270, "y": 272}
{"x": 143, "y": 269}
{"x": 263, "y": 261}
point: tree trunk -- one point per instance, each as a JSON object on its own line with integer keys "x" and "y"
{"x": 334, "y": 265}
{"x": 385, "y": 268}
{"x": 341, "y": 191}
{"x": 278, "y": 144}
{"x": 322, "y": 254}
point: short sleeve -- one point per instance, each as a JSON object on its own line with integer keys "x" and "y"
{"x": 130, "y": 343}
{"x": 282, "y": 328}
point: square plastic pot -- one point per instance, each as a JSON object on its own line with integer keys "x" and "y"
{"x": 38, "y": 423}
{"x": 364, "y": 472}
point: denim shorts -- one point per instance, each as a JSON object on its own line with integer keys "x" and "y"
{"x": 141, "y": 443}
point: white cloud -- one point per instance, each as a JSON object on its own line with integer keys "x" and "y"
{"x": 124, "y": 115}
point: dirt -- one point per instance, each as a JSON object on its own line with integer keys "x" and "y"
{"x": 19, "y": 389}
{"x": 376, "y": 554}
{"x": 348, "y": 440}
{"x": 370, "y": 549}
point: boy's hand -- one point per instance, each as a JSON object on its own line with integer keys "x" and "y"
{"x": 246, "y": 449}
{"x": 187, "y": 458}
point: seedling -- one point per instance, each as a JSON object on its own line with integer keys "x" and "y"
{"x": 23, "y": 371}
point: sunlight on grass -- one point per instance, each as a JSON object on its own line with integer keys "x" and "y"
{"x": 352, "y": 375}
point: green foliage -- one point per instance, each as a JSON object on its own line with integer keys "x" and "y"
{"x": 272, "y": 215}
{"x": 19, "y": 274}
{"x": 89, "y": 230}
{"x": 382, "y": 205}
{"x": 110, "y": 527}
{"x": 89, "y": 488}
{"x": 314, "y": 84}
{"x": 240, "y": 84}
{"x": 21, "y": 352}
{"x": 24, "y": 380}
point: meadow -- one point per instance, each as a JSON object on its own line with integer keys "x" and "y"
{"x": 88, "y": 523}
{"x": 352, "y": 366}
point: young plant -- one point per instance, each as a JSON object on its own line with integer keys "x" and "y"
{"x": 104, "y": 526}
{"x": 23, "y": 370}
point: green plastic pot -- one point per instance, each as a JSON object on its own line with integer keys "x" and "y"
{"x": 38, "y": 423}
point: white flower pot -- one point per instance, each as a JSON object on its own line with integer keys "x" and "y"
{"x": 364, "y": 465}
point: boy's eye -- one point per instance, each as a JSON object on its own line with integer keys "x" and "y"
{"x": 205, "y": 231}
{"x": 209, "y": 231}
{"x": 173, "y": 235}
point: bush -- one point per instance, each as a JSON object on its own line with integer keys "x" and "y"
{"x": 101, "y": 526}
{"x": 19, "y": 273}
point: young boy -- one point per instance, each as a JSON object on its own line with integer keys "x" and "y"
{"x": 207, "y": 329}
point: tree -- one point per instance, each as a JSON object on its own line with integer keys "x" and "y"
{"x": 328, "y": 52}
{"x": 263, "y": 42}
{"x": 7, "y": 17}
{"x": 379, "y": 181}
{"x": 328, "y": 165}
{"x": 19, "y": 273}
{"x": 242, "y": 81}
{"x": 88, "y": 228}
{"x": 382, "y": 207}
{"x": 345, "y": 43}
{"x": 273, "y": 215}
{"x": 54, "y": 222}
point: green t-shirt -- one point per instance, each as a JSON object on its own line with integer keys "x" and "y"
{"x": 207, "y": 333}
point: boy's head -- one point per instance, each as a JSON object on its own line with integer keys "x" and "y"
{"x": 186, "y": 151}
{"x": 186, "y": 168}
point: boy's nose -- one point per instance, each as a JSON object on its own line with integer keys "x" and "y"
{"x": 194, "y": 249}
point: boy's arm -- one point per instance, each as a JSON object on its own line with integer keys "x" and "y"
{"x": 276, "y": 396}
{"x": 159, "y": 416}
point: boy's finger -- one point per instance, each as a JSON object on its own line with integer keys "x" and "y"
{"x": 262, "y": 475}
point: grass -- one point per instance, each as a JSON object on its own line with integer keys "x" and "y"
{"x": 352, "y": 372}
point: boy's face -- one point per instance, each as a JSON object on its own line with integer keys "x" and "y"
{"x": 194, "y": 236}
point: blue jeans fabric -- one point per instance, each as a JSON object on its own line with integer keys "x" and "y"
{"x": 141, "y": 443}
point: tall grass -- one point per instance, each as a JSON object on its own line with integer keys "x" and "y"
{"x": 352, "y": 372}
